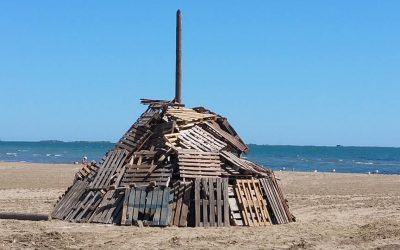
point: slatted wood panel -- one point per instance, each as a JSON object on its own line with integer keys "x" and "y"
{"x": 87, "y": 172}
{"x": 211, "y": 202}
{"x": 240, "y": 165}
{"x": 157, "y": 138}
{"x": 195, "y": 164}
{"x": 276, "y": 203}
{"x": 251, "y": 202}
{"x": 110, "y": 209}
{"x": 134, "y": 139}
{"x": 215, "y": 129}
{"x": 227, "y": 170}
{"x": 159, "y": 103}
{"x": 147, "y": 206}
{"x": 139, "y": 132}
{"x": 236, "y": 215}
{"x": 181, "y": 203}
{"x": 112, "y": 164}
{"x": 142, "y": 175}
{"x": 199, "y": 139}
{"x": 187, "y": 115}
{"x": 69, "y": 199}
{"x": 85, "y": 207}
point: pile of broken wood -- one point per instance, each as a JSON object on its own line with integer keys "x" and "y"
{"x": 176, "y": 166}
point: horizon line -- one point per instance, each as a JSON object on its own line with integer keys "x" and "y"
{"x": 278, "y": 145}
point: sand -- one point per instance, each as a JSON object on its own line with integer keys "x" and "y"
{"x": 345, "y": 211}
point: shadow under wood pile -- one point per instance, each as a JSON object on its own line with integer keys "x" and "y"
{"x": 176, "y": 166}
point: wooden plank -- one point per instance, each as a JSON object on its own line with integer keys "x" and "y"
{"x": 219, "y": 203}
{"x": 225, "y": 196}
{"x": 211, "y": 202}
{"x": 205, "y": 203}
{"x": 174, "y": 193}
{"x": 197, "y": 202}
{"x": 149, "y": 199}
{"x": 157, "y": 214}
{"x": 185, "y": 205}
{"x": 142, "y": 203}
{"x": 125, "y": 206}
{"x": 135, "y": 213}
{"x": 153, "y": 205}
{"x": 165, "y": 208}
{"x": 179, "y": 201}
{"x": 116, "y": 217}
{"x": 129, "y": 208}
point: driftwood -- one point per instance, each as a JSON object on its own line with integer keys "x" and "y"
{"x": 24, "y": 216}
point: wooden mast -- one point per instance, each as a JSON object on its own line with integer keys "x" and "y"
{"x": 178, "y": 69}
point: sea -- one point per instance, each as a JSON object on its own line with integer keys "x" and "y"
{"x": 341, "y": 159}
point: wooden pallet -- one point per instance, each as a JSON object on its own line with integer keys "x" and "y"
{"x": 235, "y": 213}
{"x": 86, "y": 172}
{"x": 211, "y": 202}
{"x": 214, "y": 128}
{"x": 143, "y": 175}
{"x": 143, "y": 170}
{"x": 157, "y": 138}
{"x": 276, "y": 203}
{"x": 240, "y": 165}
{"x": 198, "y": 139}
{"x": 112, "y": 164}
{"x": 139, "y": 132}
{"x": 196, "y": 164}
{"x": 251, "y": 202}
{"x": 148, "y": 206}
{"x": 69, "y": 199}
{"x": 159, "y": 103}
{"x": 134, "y": 139}
{"x": 181, "y": 114}
{"x": 85, "y": 207}
{"x": 181, "y": 203}
{"x": 110, "y": 208}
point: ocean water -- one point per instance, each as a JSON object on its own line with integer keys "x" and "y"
{"x": 286, "y": 158}
{"x": 52, "y": 151}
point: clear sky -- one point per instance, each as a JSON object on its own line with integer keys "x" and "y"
{"x": 283, "y": 72}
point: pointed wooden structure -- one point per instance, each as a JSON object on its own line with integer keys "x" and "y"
{"x": 176, "y": 166}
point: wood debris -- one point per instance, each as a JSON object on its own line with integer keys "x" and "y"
{"x": 176, "y": 166}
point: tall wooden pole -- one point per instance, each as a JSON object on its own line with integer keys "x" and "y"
{"x": 178, "y": 70}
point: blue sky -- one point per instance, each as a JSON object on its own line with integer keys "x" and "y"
{"x": 283, "y": 72}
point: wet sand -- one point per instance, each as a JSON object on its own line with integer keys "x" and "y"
{"x": 344, "y": 211}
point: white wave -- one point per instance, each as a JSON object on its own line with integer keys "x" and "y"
{"x": 57, "y": 155}
{"x": 364, "y": 163}
{"x": 22, "y": 150}
{"x": 14, "y": 154}
{"x": 48, "y": 155}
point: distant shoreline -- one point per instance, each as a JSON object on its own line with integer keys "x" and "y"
{"x": 249, "y": 144}
{"x": 57, "y": 141}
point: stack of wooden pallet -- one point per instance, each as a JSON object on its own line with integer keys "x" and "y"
{"x": 176, "y": 166}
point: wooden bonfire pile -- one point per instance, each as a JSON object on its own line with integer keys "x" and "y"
{"x": 176, "y": 166}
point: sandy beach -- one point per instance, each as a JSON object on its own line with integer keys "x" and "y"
{"x": 344, "y": 211}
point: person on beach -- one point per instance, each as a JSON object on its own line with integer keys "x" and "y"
{"x": 85, "y": 160}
